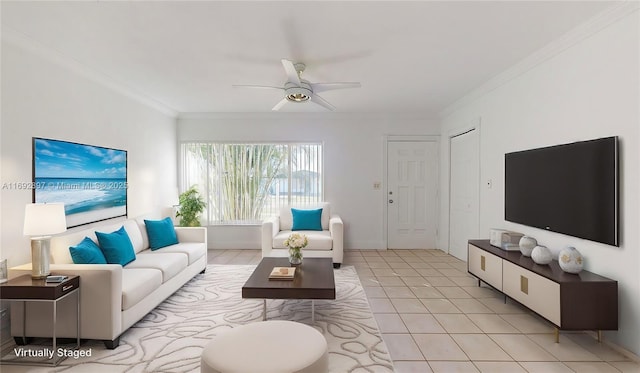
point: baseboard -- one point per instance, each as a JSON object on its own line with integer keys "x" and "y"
{"x": 365, "y": 245}
{"x": 615, "y": 347}
{"x": 234, "y": 245}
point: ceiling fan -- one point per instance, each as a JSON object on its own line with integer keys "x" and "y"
{"x": 299, "y": 90}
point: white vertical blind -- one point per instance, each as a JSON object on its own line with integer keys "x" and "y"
{"x": 245, "y": 183}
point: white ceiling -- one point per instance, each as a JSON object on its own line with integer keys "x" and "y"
{"x": 416, "y": 57}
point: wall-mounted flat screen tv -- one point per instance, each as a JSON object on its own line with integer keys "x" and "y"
{"x": 90, "y": 180}
{"x": 570, "y": 189}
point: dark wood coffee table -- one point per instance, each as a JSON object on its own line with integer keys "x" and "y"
{"x": 313, "y": 280}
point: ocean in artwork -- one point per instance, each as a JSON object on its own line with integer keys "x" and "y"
{"x": 82, "y": 194}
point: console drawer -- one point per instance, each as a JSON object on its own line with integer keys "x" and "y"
{"x": 534, "y": 291}
{"x": 485, "y": 266}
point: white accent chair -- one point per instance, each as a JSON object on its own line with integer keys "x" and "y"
{"x": 327, "y": 243}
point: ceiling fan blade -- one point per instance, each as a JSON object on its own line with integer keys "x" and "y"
{"x": 280, "y": 104}
{"x": 256, "y": 86}
{"x": 292, "y": 74}
{"x": 322, "y": 102}
{"x": 322, "y": 87}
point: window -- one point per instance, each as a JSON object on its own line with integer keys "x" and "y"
{"x": 245, "y": 183}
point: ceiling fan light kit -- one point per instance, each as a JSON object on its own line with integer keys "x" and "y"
{"x": 299, "y": 90}
{"x": 298, "y": 93}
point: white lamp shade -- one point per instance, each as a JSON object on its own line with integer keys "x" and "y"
{"x": 42, "y": 219}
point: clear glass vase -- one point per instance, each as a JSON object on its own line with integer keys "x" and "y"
{"x": 295, "y": 255}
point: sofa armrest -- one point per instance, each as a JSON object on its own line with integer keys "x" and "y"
{"x": 191, "y": 234}
{"x": 270, "y": 227}
{"x": 336, "y": 228}
{"x": 100, "y": 299}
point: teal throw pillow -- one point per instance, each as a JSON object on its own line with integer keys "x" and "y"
{"x": 161, "y": 233}
{"x": 306, "y": 220}
{"x": 87, "y": 252}
{"x": 116, "y": 247}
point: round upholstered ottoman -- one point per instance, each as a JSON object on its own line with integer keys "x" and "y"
{"x": 274, "y": 346}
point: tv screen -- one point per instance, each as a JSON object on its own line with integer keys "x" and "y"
{"x": 90, "y": 180}
{"x": 570, "y": 189}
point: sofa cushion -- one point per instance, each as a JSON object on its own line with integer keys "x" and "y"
{"x": 286, "y": 218}
{"x": 130, "y": 226}
{"x": 170, "y": 264}
{"x": 87, "y": 252}
{"x": 134, "y": 235}
{"x": 60, "y": 243}
{"x": 306, "y": 220}
{"x": 317, "y": 240}
{"x": 161, "y": 233}
{"x": 116, "y": 247}
{"x": 137, "y": 283}
{"x": 193, "y": 250}
{"x": 143, "y": 229}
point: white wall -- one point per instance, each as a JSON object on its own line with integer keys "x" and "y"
{"x": 44, "y": 98}
{"x": 353, "y": 161}
{"x": 588, "y": 90}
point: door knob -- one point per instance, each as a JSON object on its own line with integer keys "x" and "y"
{"x": 390, "y": 201}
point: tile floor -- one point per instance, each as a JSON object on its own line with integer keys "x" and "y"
{"x": 434, "y": 318}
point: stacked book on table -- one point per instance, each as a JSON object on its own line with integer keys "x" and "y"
{"x": 282, "y": 273}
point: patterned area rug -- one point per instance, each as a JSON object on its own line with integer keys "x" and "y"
{"x": 171, "y": 337}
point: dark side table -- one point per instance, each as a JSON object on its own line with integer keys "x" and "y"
{"x": 25, "y": 289}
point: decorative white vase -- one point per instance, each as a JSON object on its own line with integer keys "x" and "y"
{"x": 541, "y": 255}
{"x": 527, "y": 244}
{"x": 570, "y": 260}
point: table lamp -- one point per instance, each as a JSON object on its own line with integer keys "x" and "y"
{"x": 41, "y": 220}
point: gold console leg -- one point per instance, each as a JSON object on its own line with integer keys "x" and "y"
{"x": 556, "y": 334}
{"x": 599, "y": 336}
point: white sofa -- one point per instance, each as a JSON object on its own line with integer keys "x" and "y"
{"x": 327, "y": 243}
{"x": 112, "y": 297}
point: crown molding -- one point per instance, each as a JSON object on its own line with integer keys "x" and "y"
{"x": 22, "y": 41}
{"x": 568, "y": 40}
{"x": 311, "y": 115}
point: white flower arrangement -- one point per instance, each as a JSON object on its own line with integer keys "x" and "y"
{"x": 296, "y": 241}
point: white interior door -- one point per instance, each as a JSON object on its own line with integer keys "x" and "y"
{"x": 412, "y": 180}
{"x": 464, "y": 194}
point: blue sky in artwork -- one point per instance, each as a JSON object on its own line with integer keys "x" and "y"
{"x": 61, "y": 159}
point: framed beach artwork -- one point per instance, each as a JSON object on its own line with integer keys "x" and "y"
{"x": 90, "y": 180}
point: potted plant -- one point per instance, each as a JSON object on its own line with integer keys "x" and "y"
{"x": 191, "y": 206}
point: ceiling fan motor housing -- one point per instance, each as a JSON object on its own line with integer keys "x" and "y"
{"x": 298, "y": 93}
